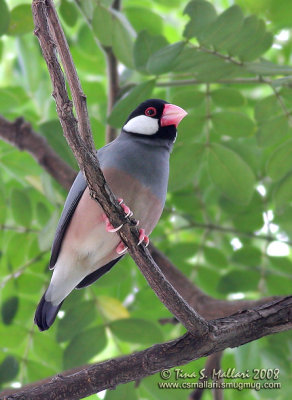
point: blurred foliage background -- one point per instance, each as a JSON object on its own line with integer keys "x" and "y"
{"x": 227, "y": 221}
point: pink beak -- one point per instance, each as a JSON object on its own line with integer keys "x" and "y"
{"x": 172, "y": 115}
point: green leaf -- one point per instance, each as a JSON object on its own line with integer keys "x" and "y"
{"x": 188, "y": 98}
{"x": 204, "y": 66}
{"x": 202, "y": 13}
{"x": 136, "y": 330}
{"x": 163, "y": 60}
{"x": 68, "y": 12}
{"x": 52, "y": 130}
{"x": 42, "y": 213}
{"x": 9, "y": 309}
{"x": 252, "y": 40}
{"x": 232, "y": 176}
{"x": 234, "y": 124}
{"x": 8, "y": 369}
{"x": 215, "y": 257}
{"x": 4, "y": 17}
{"x": 80, "y": 315}
{"x": 280, "y": 162}
{"x": 84, "y": 346}
{"x": 12, "y": 97}
{"x": 249, "y": 256}
{"x": 21, "y": 207}
{"x": 128, "y": 103}
{"x": 144, "y": 18}
{"x": 21, "y": 20}
{"x": 273, "y": 131}
{"x": 184, "y": 165}
{"x": 46, "y": 235}
{"x": 227, "y": 97}
{"x": 112, "y": 308}
{"x": 102, "y": 25}
{"x": 239, "y": 281}
{"x": 146, "y": 45}
{"x": 283, "y": 192}
{"x": 222, "y": 30}
{"x": 268, "y": 68}
{"x": 123, "y": 39}
{"x": 267, "y": 108}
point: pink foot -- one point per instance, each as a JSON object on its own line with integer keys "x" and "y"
{"x": 108, "y": 226}
{"x": 121, "y": 248}
{"x": 126, "y": 209}
{"x": 143, "y": 238}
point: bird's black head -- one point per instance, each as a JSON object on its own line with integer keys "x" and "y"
{"x": 155, "y": 118}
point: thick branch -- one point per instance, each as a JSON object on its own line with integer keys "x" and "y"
{"x": 98, "y": 187}
{"x": 21, "y": 135}
{"x": 232, "y": 331}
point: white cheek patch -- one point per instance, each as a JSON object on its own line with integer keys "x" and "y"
{"x": 142, "y": 124}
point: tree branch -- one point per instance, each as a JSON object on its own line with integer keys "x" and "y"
{"x": 21, "y": 135}
{"x": 88, "y": 163}
{"x": 112, "y": 71}
{"x": 232, "y": 331}
{"x": 212, "y": 363}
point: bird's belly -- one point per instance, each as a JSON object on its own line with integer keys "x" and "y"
{"x": 87, "y": 243}
{"x": 146, "y": 207}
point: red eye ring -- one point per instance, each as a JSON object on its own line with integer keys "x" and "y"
{"x": 150, "y": 112}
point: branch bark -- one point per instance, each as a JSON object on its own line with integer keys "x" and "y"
{"x": 21, "y": 135}
{"x": 232, "y": 331}
{"x": 43, "y": 10}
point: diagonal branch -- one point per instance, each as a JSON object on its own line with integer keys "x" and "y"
{"x": 232, "y": 331}
{"x": 88, "y": 163}
{"x": 21, "y": 135}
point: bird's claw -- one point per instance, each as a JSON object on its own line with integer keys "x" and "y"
{"x": 143, "y": 238}
{"x": 121, "y": 248}
{"x": 109, "y": 227}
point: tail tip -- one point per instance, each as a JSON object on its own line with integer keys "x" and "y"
{"x": 45, "y": 314}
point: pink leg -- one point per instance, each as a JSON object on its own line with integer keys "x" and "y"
{"x": 121, "y": 248}
{"x": 143, "y": 238}
{"x": 108, "y": 226}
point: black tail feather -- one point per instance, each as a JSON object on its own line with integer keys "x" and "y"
{"x": 45, "y": 314}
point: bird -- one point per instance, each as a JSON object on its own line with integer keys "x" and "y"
{"x": 136, "y": 167}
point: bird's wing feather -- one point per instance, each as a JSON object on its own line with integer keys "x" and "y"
{"x": 72, "y": 200}
{"x": 94, "y": 276}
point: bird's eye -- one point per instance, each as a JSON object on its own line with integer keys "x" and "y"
{"x": 150, "y": 112}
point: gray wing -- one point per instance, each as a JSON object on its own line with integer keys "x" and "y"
{"x": 75, "y": 193}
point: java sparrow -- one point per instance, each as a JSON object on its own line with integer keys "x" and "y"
{"x": 136, "y": 167}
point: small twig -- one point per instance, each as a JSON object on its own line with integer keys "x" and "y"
{"x": 229, "y": 229}
{"x": 287, "y": 113}
{"x": 235, "y": 81}
{"x": 219, "y": 55}
{"x": 19, "y": 271}
{"x": 99, "y": 190}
